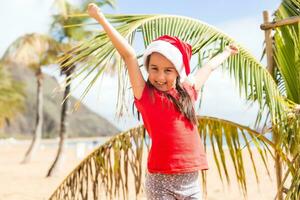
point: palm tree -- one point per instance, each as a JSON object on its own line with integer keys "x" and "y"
{"x": 60, "y": 30}
{"x": 34, "y": 51}
{"x": 252, "y": 79}
{"x": 286, "y": 45}
{"x": 11, "y": 96}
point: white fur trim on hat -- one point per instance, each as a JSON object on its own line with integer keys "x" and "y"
{"x": 169, "y": 51}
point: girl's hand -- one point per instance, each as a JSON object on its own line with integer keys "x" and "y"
{"x": 232, "y": 49}
{"x": 93, "y": 10}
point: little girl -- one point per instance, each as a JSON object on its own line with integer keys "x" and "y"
{"x": 165, "y": 102}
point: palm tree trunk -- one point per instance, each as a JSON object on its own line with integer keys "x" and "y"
{"x": 63, "y": 127}
{"x": 278, "y": 166}
{"x": 39, "y": 120}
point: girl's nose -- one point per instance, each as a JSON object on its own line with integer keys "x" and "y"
{"x": 161, "y": 76}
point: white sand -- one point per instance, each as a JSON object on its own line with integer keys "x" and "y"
{"x": 28, "y": 182}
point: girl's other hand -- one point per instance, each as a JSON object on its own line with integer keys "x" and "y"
{"x": 232, "y": 49}
{"x": 93, "y": 10}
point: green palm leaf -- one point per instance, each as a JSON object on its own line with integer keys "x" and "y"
{"x": 251, "y": 77}
{"x": 63, "y": 19}
{"x": 293, "y": 191}
{"x": 287, "y": 49}
{"x": 111, "y": 164}
{"x": 33, "y": 51}
{"x": 226, "y": 134}
{"x": 11, "y": 96}
{"x": 63, "y": 6}
{"x": 287, "y": 59}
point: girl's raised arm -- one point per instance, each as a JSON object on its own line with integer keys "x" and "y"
{"x": 123, "y": 47}
{"x": 203, "y": 73}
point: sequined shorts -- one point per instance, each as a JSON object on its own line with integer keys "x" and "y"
{"x": 184, "y": 186}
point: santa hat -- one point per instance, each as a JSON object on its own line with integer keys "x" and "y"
{"x": 175, "y": 50}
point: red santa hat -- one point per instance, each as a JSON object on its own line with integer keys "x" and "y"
{"x": 175, "y": 50}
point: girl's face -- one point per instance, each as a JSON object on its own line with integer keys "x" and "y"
{"x": 162, "y": 73}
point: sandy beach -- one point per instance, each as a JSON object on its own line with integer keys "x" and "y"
{"x": 28, "y": 182}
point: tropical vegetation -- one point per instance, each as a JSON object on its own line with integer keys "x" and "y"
{"x": 276, "y": 92}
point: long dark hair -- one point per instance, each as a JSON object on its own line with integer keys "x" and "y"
{"x": 184, "y": 104}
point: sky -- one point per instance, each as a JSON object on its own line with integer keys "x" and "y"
{"x": 238, "y": 19}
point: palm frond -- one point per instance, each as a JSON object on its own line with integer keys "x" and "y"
{"x": 286, "y": 52}
{"x": 33, "y": 50}
{"x": 111, "y": 3}
{"x": 61, "y": 22}
{"x": 251, "y": 77}
{"x": 287, "y": 59}
{"x": 64, "y": 19}
{"x": 63, "y": 6}
{"x": 109, "y": 167}
{"x": 11, "y": 96}
{"x": 287, "y": 49}
{"x": 293, "y": 193}
{"x": 224, "y": 134}
{"x": 106, "y": 169}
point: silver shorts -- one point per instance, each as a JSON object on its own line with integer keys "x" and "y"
{"x": 184, "y": 186}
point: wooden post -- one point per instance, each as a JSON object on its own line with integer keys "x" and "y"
{"x": 283, "y": 22}
{"x": 268, "y": 40}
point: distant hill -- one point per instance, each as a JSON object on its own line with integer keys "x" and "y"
{"x": 82, "y": 123}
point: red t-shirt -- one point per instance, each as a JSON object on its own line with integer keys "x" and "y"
{"x": 176, "y": 144}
